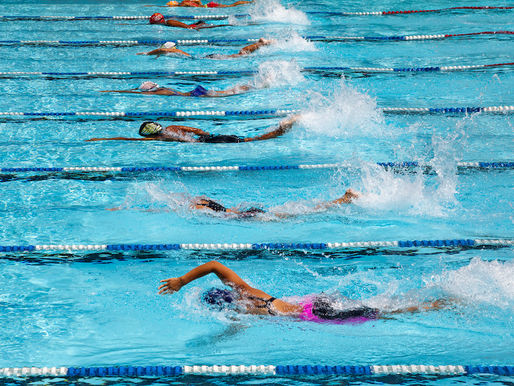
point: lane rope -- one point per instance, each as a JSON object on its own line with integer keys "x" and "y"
{"x": 254, "y": 113}
{"x": 220, "y": 17}
{"x": 269, "y": 370}
{"x": 139, "y": 169}
{"x": 251, "y": 72}
{"x": 475, "y": 243}
{"x": 189, "y": 42}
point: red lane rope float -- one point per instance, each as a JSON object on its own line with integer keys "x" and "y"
{"x": 482, "y": 33}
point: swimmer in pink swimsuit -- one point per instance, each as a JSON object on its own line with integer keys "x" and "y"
{"x": 244, "y": 298}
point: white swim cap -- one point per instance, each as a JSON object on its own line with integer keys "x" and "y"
{"x": 168, "y": 45}
{"x": 148, "y": 86}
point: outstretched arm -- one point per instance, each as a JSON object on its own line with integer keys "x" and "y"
{"x": 283, "y": 127}
{"x": 225, "y": 274}
{"x": 347, "y": 198}
{"x": 162, "y": 51}
{"x": 241, "y": 2}
{"x": 121, "y": 139}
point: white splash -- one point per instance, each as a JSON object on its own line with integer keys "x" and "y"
{"x": 344, "y": 112}
{"x": 278, "y": 73}
{"x": 273, "y": 11}
{"x": 289, "y": 41}
{"x": 481, "y": 281}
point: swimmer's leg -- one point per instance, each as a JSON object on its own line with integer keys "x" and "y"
{"x": 436, "y": 305}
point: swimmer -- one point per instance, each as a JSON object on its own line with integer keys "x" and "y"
{"x": 168, "y": 48}
{"x": 158, "y": 18}
{"x": 206, "y": 204}
{"x": 153, "y": 131}
{"x": 198, "y": 3}
{"x": 151, "y": 88}
{"x": 245, "y": 299}
{"x": 245, "y": 50}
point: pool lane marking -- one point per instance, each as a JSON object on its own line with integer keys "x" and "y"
{"x": 438, "y": 243}
{"x": 247, "y": 40}
{"x": 254, "y": 113}
{"x": 140, "y": 169}
{"x": 220, "y": 17}
{"x": 269, "y": 370}
{"x": 251, "y": 72}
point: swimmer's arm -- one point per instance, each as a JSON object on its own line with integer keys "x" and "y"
{"x": 122, "y": 91}
{"x": 232, "y": 91}
{"x": 348, "y": 197}
{"x": 121, "y": 139}
{"x": 162, "y": 51}
{"x": 176, "y": 23}
{"x": 254, "y": 47}
{"x": 283, "y": 127}
{"x": 189, "y": 129}
{"x": 225, "y": 274}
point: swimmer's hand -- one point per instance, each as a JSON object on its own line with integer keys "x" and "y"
{"x": 171, "y": 285}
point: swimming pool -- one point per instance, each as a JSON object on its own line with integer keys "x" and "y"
{"x": 100, "y": 308}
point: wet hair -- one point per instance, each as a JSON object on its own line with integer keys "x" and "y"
{"x": 218, "y": 298}
{"x": 323, "y": 308}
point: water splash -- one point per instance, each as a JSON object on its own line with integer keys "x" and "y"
{"x": 273, "y": 11}
{"x": 289, "y": 41}
{"x": 411, "y": 193}
{"x": 489, "y": 282}
{"x": 278, "y": 73}
{"x": 345, "y": 112}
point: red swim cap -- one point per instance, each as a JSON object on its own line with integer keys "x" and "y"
{"x": 157, "y": 18}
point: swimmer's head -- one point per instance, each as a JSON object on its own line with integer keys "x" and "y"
{"x": 218, "y": 298}
{"x": 150, "y": 128}
{"x": 169, "y": 45}
{"x": 172, "y": 4}
{"x": 148, "y": 86}
{"x": 157, "y": 18}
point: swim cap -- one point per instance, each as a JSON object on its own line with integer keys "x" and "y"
{"x": 172, "y": 3}
{"x": 157, "y": 18}
{"x": 218, "y": 297}
{"x": 168, "y": 45}
{"x": 149, "y": 128}
{"x": 148, "y": 86}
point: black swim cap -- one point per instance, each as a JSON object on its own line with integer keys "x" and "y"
{"x": 218, "y": 297}
{"x": 149, "y": 128}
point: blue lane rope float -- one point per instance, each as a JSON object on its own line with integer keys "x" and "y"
{"x": 253, "y": 113}
{"x": 251, "y": 72}
{"x": 266, "y": 370}
{"x": 451, "y": 243}
{"x": 139, "y": 169}
{"x": 248, "y": 40}
{"x": 219, "y": 17}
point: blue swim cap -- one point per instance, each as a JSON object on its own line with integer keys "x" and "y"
{"x": 218, "y": 297}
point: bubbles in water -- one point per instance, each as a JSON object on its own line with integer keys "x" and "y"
{"x": 273, "y": 11}
{"x": 345, "y": 112}
{"x": 278, "y": 73}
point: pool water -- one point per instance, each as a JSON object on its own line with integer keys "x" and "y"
{"x": 100, "y": 309}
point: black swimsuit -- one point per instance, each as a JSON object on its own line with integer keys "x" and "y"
{"x": 213, "y": 205}
{"x": 211, "y": 138}
{"x": 268, "y": 304}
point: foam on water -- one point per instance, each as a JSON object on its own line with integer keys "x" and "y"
{"x": 287, "y": 41}
{"x": 343, "y": 112}
{"x": 273, "y": 11}
{"x": 278, "y": 73}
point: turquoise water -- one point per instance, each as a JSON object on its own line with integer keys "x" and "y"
{"x": 100, "y": 309}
